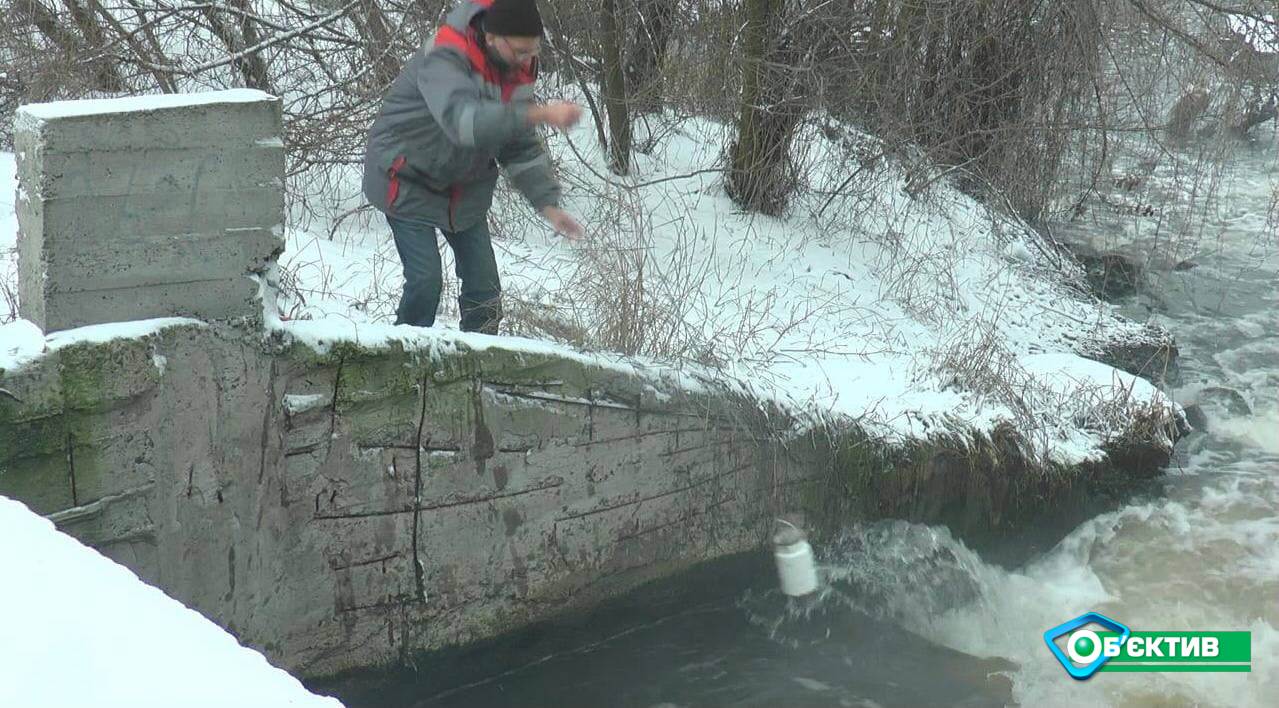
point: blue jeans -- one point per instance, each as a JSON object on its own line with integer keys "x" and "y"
{"x": 481, "y": 299}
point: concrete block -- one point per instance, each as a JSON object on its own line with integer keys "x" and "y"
{"x": 351, "y": 540}
{"x": 99, "y": 377}
{"x": 30, "y": 260}
{"x": 80, "y": 174}
{"x": 222, "y": 298}
{"x": 389, "y": 422}
{"x": 231, "y": 118}
{"x": 372, "y": 480}
{"x": 147, "y": 207}
{"x": 42, "y": 482}
{"x": 159, "y": 214}
{"x": 110, "y": 264}
{"x": 108, "y": 463}
{"x": 385, "y": 579}
{"x": 117, "y": 519}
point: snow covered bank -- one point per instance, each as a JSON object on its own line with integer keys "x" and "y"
{"x": 896, "y": 301}
{"x": 76, "y": 629}
{"x": 885, "y": 296}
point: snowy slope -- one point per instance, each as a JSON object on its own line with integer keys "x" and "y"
{"x": 76, "y": 629}
{"x": 897, "y": 307}
{"x": 900, "y": 302}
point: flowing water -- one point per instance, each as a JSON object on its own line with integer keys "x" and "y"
{"x": 913, "y": 617}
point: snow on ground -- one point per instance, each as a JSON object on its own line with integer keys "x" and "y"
{"x": 899, "y": 305}
{"x": 887, "y": 307}
{"x": 77, "y": 629}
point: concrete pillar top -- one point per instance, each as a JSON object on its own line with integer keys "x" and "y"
{"x": 149, "y": 206}
{"x": 32, "y": 114}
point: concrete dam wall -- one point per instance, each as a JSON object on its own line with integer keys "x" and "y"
{"x": 345, "y": 507}
{"x": 336, "y": 510}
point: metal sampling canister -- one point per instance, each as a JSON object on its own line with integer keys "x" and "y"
{"x": 796, "y": 568}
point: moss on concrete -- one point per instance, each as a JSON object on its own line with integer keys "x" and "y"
{"x": 63, "y": 419}
{"x": 31, "y": 438}
{"x": 35, "y": 391}
{"x": 984, "y": 487}
{"x": 373, "y": 375}
{"x": 42, "y": 482}
{"x": 96, "y": 376}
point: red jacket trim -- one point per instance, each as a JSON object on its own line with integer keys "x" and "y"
{"x": 469, "y": 45}
{"x": 393, "y": 187}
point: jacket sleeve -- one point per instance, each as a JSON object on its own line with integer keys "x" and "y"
{"x": 528, "y": 167}
{"x": 467, "y": 118}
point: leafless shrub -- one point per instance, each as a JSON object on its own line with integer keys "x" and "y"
{"x": 630, "y": 297}
{"x": 978, "y": 362}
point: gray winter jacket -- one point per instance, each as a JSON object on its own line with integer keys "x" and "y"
{"x": 446, "y": 123}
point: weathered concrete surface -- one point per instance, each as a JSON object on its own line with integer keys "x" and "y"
{"x": 343, "y": 510}
{"x": 126, "y": 215}
{"x": 338, "y": 510}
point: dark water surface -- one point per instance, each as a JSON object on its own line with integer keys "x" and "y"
{"x": 718, "y": 635}
{"x": 911, "y": 616}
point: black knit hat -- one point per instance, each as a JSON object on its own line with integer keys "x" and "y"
{"x": 513, "y": 18}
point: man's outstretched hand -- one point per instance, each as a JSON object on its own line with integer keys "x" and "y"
{"x": 557, "y": 114}
{"x": 563, "y": 223}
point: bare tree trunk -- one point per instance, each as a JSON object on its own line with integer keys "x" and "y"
{"x": 619, "y": 121}
{"x": 152, "y": 56}
{"x": 561, "y": 46}
{"x": 43, "y": 19}
{"x": 655, "y": 20}
{"x": 1257, "y": 114}
{"x": 377, "y": 40}
{"x": 758, "y": 177}
{"x": 104, "y": 75}
{"x": 107, "y": 69}
{"x": 157, "y": 53}
{"x": 251, "y": 66}
{"x": 255, "y": 62}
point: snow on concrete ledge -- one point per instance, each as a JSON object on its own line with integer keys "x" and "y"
{"x": 22, "y": 341}
{"x": 105, "y": 332}
{"x": 322, "y": 333}
{"x": 76, "y": 629}
{"x": 41, "y": 112}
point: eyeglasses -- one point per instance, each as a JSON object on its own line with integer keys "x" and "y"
{"x": 525, "y": 55}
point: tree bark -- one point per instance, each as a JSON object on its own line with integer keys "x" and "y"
{"x": 103, "y": 73}
{"x": 758, "y": 177}
{"x": 655, "y": 20}
{"x": 614, "y": 82}
{"x": 162, "y": 79}
{"x": 107, "y": 70}
{"x": 371, "y": 23}
{"x": 251, "y": 66}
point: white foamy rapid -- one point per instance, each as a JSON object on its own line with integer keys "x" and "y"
{"x": 1205, "y": 556}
